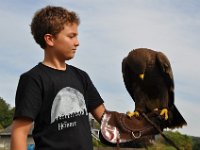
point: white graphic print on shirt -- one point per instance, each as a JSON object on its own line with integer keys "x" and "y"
{"x": 68, "y": 103}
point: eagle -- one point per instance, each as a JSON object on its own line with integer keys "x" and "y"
{"x": 148, "y": 78}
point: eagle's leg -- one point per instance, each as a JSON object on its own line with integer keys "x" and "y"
{"x": 164, "y": 100}
{"x": 140, "y": 99}
{"x": 164, "y": 112}
{"x": 135, "y": 113}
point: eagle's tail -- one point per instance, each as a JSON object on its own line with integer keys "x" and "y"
{"x": 175, "y": 120}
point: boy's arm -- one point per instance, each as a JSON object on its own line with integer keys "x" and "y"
{"x": 20, "y": 130}
{"x": 98, "y": 112}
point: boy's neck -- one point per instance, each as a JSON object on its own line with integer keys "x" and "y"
{"x": 54, "y": 62}
{"x": 56, "y": 66}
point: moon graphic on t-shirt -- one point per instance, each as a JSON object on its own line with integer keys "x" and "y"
{"x": 68, "y": 102}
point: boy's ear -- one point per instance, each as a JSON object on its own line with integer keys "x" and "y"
{"x": 49, "y": 39}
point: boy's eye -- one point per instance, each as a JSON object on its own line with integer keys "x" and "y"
{"x": 72, "y": 36}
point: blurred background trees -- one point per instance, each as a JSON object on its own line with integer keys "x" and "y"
{"x": 6, "y": 114}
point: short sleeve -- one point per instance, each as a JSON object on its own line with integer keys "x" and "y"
{"x": 92, "y": 95}
{"x": 28, "y": 98}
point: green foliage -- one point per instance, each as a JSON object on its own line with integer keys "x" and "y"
{"x": 195, "y": 143}
{"x": 184, "y": 142}
{"x": 97, "y": 143}
{"x": 161, "y": 146}
{"x": 1, "y": 127}
{"x": 6, "y": 113}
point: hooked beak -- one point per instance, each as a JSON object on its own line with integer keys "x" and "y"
{"x": 141, "y": 76}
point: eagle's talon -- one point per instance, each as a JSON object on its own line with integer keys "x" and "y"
{"x": 165, "y": 113}
{"x": 131, "y": 114}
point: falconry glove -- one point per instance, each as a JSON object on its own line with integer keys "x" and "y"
{"x": 118, "y": 128}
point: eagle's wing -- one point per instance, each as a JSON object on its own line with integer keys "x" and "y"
{"x": 177, "y": 120}
{"x": 167, "y": 73}
{"x": 127, "y": 79}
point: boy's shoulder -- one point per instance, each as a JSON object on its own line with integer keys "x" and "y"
{"x": 33, "y": 72}
{"x": 79, "y": 71}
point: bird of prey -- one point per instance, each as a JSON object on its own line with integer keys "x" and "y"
{"x": 149, "y": 80}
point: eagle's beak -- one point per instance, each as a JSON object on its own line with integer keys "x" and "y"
{"x": 141, "y": 76}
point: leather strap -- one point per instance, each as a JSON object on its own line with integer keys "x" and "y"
{"x": 157, "y": 128}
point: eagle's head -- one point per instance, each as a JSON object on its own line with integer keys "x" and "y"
{"x": 137, "y": 64}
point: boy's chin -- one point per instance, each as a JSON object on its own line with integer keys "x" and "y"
{"x": 69, "y": 57}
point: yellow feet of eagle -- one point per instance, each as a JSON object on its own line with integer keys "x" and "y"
{"x": 131, "y": 114}
{"x": 164, "y": 112}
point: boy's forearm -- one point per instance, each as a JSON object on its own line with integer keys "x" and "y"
{"x": 18, "y": 141}
{"x": 98, "y": 112}
{"x": 20, "y": 131}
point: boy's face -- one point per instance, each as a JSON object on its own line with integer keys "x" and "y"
{"x": 66, "y": 42}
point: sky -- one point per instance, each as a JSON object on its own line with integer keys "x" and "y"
{"x": 108, "y": 31}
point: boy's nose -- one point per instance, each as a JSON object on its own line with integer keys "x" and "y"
{"x": 76, "y": 43}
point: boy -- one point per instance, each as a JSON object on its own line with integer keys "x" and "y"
{"x": 56, "y": 96}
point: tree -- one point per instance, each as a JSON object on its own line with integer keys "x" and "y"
{"x": 182, "y": 141}
{"x": 196, "y": 143}
{"x": 6, "y": 113}
{"x": 1, "y": 127}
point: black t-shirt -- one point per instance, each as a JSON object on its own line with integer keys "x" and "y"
{"x": 59, "y": 103}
